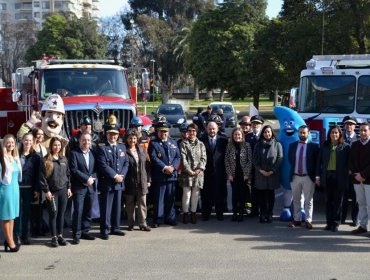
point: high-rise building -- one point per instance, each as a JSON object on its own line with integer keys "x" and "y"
{"x": 39, "y": 10}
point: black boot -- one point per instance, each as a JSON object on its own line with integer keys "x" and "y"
{"x": 193, "y": 217}
{"x": 185, "y": 218}
{"x": 240, "y": 217}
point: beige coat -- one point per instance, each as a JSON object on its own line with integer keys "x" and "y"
{"x": 193, "y": 156}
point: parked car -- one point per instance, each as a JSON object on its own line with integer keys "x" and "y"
{"x": 175, "y": 114}
{"x": 231, "y": 116}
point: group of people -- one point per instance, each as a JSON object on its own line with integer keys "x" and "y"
{"x": 198, "y": 166}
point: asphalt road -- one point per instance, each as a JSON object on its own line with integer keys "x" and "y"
{"x": 207, "y": 250}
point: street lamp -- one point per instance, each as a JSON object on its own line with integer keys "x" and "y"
{"x": 153, "y": 83}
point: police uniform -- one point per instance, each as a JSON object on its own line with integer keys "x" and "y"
{"x": 111, "y": 161}
{"x": 164, "y": 153}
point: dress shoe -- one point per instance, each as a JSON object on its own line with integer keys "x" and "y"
{"x": 130, "y": 228}
{"x": 117, "y": 232}
{"x": 185, "y": 218}
{"x": 334, "y": 228}
{"x": 353, "y": 224}
{"x": 263, "y": 220}
{"x": 193, "y": 217}
{"x": 234, "y": 218}
{"x": 54, "y": 242}
{"x": 295, "y": 224}
{"x": 220, "y": 217}
{"x": 104, "y": 236}
{"x": 328, "y": 227}
{"x": 269, "y": 219}
{"x": 87, "y": 236}
{"x": 359, "y": 230}
{"x": 144, "y": 228}
{"x": 61, "y": 241}
{"x": 76, "y": 241}
{"x": 155, "y": 225}
{"x": 172, "y": 223}
{"x": 309, "y": 225}
{"x": 240, "y": 217}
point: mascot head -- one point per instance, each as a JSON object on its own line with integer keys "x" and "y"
{"x": 52, "y": 115}
{"x": 289, "y": 121}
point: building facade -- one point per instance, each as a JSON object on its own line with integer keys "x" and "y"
{"x": 39, "y": 10}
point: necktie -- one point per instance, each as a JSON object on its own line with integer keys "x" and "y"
{"x": 300, "y": 160}
{"x": 114, "y": 148}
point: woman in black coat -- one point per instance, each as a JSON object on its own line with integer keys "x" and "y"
{"x": 137, "y": 181}
{"x": 332, "y": 174}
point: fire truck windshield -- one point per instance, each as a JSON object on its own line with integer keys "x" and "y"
{"x": 82, "y": 82}
{"x": 328, "y": 94}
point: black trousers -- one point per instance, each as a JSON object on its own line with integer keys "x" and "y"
{"x": 334, "y": 199}
{"x": 239, "y": 195}
{"x": 266, "y": 199}
{"x": 21, "y": 227}
{"x": 214, "y": 193}
{"x": 56, "y": 219}
{"x": 82, "y": 208}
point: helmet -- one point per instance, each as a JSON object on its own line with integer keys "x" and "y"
{"x": 53, "y": 103}
{"x": 183, "y": 127}
{"x": 136, "y": 121}
{"x": 215, "y": 118}
{"x": 85, "y": 120}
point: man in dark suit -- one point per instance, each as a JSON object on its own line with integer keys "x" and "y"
{"x": 83, "y": 181}
{"x": 165, "y": 159}
{"x": 252, "y": 137}
{"x": 214, "y": 190}
{"x": 112, "y": 164}
{"x": 303, "y": 158}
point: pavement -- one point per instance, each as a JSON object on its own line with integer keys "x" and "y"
{"x": 207, "y": 250}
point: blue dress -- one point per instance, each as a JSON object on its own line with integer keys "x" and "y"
{"x": 9, "y": 196}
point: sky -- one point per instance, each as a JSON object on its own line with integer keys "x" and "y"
{"x": 111, "y": 7}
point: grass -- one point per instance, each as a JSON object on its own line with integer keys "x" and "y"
{"x": 192, "y": 105}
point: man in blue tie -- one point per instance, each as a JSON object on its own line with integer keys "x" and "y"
{"x": 303, "y": 157}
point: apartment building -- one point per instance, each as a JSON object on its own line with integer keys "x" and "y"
{"x": 39, "y": 10}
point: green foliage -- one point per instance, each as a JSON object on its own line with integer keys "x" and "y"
{"x": 66, "y": 36}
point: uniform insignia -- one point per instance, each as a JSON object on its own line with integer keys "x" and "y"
{"x": 159, "y": 154}
{"x": 109, "y": 151}
{"x": 122, "y": 154}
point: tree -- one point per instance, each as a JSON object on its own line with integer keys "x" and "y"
{"x": 68, "y": 37}
{"x": 222, "y": 43}
{"x": 16, "y": 38}
{"x": 157, "y": 23}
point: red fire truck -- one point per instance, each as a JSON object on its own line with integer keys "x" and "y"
{"x": 331, "y": 87}
{"x": 97, "y": 88}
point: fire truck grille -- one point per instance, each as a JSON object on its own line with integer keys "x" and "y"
{"x": 72, "y": 119}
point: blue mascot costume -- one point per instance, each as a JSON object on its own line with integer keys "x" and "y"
{"x": 289, "y": 121}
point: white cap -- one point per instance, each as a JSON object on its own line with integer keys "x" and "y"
{"x": 53, "y": 103}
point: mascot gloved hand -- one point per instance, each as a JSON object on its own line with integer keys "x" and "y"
{"x": 52, "y": 117}
{"x": 289, "y": 121}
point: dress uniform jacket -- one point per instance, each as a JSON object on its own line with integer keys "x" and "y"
{"x": 160, "y": 156}
{"x": 110, "y": 164}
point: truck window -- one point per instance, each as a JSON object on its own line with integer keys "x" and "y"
{"x": 327, "y": 94}
{"x": 363, "y": 95}
{"x": 83, "y": 81}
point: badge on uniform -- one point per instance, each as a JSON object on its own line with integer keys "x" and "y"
{"x": 159, "y": 154}
{"x": 122, "y": 154}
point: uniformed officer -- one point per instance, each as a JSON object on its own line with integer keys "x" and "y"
{"x": 85, "y": 126}
{"x": 112, "y": 165}
{"x": 252, "y": 137}
{"x": 165, "y": 159}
